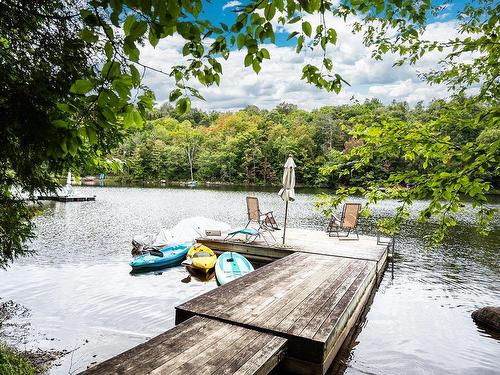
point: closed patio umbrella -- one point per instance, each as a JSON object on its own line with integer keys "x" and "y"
{"x": 287, "y": 192}
{"x": 69, "y": 188}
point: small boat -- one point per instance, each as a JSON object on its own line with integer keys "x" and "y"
{"x": 155, "y": 259}
{"x": 200, "y": 258}
{"x": 192, "y": 183}
{"x": 231, "y": 266}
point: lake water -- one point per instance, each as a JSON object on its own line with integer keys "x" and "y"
{"x": 80, "y": 295}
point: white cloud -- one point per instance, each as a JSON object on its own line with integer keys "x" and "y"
{"x": 231, "y": 4}
{"x": 279, "y": 79}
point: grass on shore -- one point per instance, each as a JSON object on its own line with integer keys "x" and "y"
{"x": 13, "y": 363}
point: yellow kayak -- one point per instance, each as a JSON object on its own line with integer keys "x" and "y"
{"x": 201, "y": 258}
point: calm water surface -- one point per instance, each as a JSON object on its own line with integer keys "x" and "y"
{"x": 81, "y": 296}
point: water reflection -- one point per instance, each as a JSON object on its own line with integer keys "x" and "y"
{"x": 82, "y": 296}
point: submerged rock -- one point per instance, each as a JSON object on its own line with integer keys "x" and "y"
{"x": 488, "y": 316}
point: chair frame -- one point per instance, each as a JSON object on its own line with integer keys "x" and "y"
{"x": 249, "y": 238}
{"x": 336, "y": 226}
{"x": 266, "y": 221}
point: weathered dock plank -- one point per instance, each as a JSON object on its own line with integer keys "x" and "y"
{"x": 199, "y": 346}
{"x": 312, "y": 300}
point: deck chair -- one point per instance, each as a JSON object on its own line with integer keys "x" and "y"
{"x": 347, "y": 224}
{"x": 265, "y": 221}
{"x": 250, "y": 234}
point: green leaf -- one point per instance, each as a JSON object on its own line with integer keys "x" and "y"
{"x": 183, "y": 106}
{"x": 300, "y": 41}
{"x": 248, "y": 60}
{"x": 60, "y": 123}
{"x": 332, "y": 35}
{"x": 136, "y": 77}
{"x": 307, "y": 28}
{"x": 127, "y": 25}
{"x": 64, "y": 147}
{"x": 270, "y": 11}
{"x": 138, "y": 29}
{"x": 241, "y": 41}
{"x": 88, "y": 36}
{"x": 265, "y": 53}
{"x": 81, "y": 86}
{"x": 128, "y": 119}
{"x": 292, "y": 35}
{"x": 73, "y": 147}
{"x": 108, "y": 50}
{"x": 137, "y": 118}
{"x": 153, "y": 39}
{"x": 256, "y": 66}
{"x": 131, "y": 51}
{"x": 328, "y": 63}
{"x": 63, "y": 107}
{"x": 110, "y": 70}
{"x": 174, "y": 95}
{"x": 109, "y": 114}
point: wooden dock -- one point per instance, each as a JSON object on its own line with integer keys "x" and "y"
{"x": 305, "y": 241}
{"x": 311, "y": 300}
{"x": 293, "y": 314}
{"x": 65, "y": 198}
{"x": 199, "y": 346}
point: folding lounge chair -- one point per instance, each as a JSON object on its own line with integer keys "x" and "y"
{"x": 348, "y": 222}
{"x": 266, "y": 223}
{"x": 251, "y": 234}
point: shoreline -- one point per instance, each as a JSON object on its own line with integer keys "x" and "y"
{"x": 13, "y": 359}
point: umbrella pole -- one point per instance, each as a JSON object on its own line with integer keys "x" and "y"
{"x": 286, "y": 215}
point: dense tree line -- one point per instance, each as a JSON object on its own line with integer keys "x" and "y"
{"x": 251, "y": 145}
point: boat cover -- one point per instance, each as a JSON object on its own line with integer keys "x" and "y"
{"x": 184, "y": 231}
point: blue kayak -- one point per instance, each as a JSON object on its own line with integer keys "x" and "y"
{"x": 230, "y": 266}
{"x": 167, "y": 257}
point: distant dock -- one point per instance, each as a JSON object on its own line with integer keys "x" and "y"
{"x": 68, "y": 198}
{"x": 293, "y": 314}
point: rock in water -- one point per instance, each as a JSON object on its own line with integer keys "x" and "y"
{"x": 488, "y": 316}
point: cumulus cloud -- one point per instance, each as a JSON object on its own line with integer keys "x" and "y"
{"x": 231, "y": 4}
{"x": 279, "y": 79}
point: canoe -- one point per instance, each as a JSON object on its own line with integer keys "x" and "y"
{"x": 167, "y": 257}
{"x": 230, "y": 266}
{"x": 200, "y": 258}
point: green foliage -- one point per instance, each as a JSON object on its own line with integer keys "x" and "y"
{"x": 333, "y": 146}
{"x": 12, "y": 363}
{"x": 441, "y": 160}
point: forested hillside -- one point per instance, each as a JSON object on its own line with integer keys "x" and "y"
{"x": 251, "y": 145}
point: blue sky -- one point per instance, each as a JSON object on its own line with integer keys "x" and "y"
{"x": 279, "y": 79}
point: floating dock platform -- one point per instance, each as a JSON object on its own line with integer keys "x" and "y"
{"x": 292, "y": 315}
{"x": 65, "y": 198}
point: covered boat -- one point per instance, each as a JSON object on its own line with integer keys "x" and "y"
{"x": 186, "y": 230}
